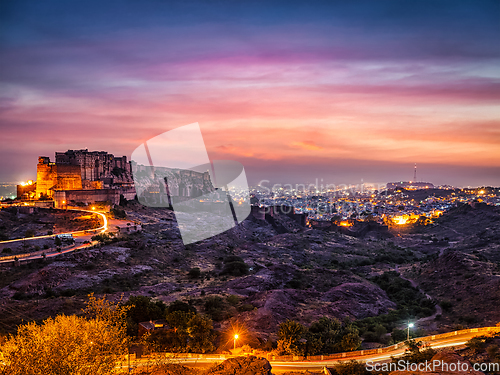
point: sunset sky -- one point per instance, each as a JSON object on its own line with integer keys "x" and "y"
{"x": 342, "y": 91}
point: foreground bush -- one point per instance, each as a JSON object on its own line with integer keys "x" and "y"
{"x": 68, "y": 344}
{"x": 64, "y": 345}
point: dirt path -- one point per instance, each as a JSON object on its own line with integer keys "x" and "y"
{"x": 439, "y": 310}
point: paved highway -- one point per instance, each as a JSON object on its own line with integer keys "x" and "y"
{"x": 280, "y": 366}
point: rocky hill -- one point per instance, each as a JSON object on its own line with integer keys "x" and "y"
{"x": 276, "y": 270}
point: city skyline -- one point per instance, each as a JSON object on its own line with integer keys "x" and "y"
{"x": 293, "y": 91}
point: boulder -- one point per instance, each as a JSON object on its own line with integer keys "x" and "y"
{"x": 250, "y": 365}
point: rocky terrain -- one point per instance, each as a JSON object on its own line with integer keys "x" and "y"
{"x": 277, "y": 270}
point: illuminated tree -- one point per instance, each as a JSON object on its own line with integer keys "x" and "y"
{"x": 64, "y": 345}
{"x": 290, "y": 334}
{"x": 69, "y": 344}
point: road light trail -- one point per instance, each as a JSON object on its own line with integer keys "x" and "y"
{"x": 39, "y": 255}
{"x": 103, "y": 228}
{"x": 282, "y": 366}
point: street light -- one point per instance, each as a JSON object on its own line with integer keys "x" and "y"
{"x": 235, "y": 338}
{"x": 410, "y": 325}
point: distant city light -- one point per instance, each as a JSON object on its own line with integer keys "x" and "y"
{"x": 400, "y": 220}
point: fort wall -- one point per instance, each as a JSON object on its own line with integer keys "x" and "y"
{"x": 75, "y": 197}
{"x": 52, "y": 176}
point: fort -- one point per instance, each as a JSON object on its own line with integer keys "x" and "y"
{"x": 81, "y": 177}
{"x": 97, "y": 165}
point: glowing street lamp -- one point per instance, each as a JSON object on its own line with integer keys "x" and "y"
{"x": 235, "y": 338}
{"x": 410, "y": 325}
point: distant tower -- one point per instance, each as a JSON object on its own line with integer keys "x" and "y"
{"x": 415, "y": 173}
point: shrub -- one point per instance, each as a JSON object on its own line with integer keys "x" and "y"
{"x": 493, "y": 352}
{"x": 446, "y": 305}
{"x": 235, "y": 266}
{"x": 68, "y": 292}
{"x": 214, "y": 302}
{"x": 476, "y": 343}
{"x": 351, "y": 367}
{"x": 233, "y": 300}
{"x": 417, "y": 352}
{"x": 118, "y": 213}
{"x": 246, "y": 307}
{"x": 194, "y": 273}
{"x": 235, "y": 269}
{"x": 29, "y": 233}
{"x": 294, "y": 284}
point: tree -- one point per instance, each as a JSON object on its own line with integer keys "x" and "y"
{"x": 142, "y": 309}
{"x": 328, "y": 331}
{"x": 290, "y": 334}
{"x": 57, "y": 241}
{"x": 333, "y": 336}
{"x": 188, "y": 332}
{"x": 201, "y": 334}
{"x": 180, "y": 306}
{"x": 350, "y": 341}
{"x": 398, "y": 335}
{"x": 176, "y": 339}
{"x": 69, "y": 344}
{"x": 113, "y": 313}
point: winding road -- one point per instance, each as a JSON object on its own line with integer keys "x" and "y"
{"x": 83, "y": 239}
{"x": 457, "y": 340}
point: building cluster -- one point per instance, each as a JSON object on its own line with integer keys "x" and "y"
{"x": 393, "y": 206}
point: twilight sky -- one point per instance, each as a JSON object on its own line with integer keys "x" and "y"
{"x": 342, "y": 91}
